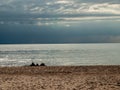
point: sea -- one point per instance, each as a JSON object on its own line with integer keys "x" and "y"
{"x": 60, "y": 54}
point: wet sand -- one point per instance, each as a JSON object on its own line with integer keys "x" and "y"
{"x": 60, "y": 78}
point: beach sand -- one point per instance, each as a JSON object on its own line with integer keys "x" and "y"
{"x": 60, "y": 78}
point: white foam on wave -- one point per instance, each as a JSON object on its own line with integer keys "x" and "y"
{"x": 1, "y": 59}
{"x": 6, "y": 60}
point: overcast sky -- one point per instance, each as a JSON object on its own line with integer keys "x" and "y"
{"x": 59, "y": 21}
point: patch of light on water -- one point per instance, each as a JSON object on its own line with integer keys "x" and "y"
{"x": 60, "y": 54}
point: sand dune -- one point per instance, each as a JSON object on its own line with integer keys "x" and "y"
{"x": 60, "y": 78}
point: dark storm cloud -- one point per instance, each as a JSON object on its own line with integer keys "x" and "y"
{"x": 61, "y": 33}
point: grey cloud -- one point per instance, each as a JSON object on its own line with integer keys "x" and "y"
{"x": 100, "y": 1}
{"x": 45, "y": 21}
{"x": 52, "y": 7}
{"x": 85, "y": 31}
{"x": 61, "y": 20}
{"x": 28, "y": 11}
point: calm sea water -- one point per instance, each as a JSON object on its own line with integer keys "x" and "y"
{"x": 60, "y": 54}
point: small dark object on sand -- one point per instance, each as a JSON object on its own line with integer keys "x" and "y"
{"x": 118, "y": 84}
{"x": 37, "y": 64}
{"x": 32, "y": 64}
{"x": 42, "y": 64}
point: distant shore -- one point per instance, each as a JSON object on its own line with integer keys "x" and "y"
{"x": 60, "y": 78}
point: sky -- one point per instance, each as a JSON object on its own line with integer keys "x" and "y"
{"x": 59, "y": 21}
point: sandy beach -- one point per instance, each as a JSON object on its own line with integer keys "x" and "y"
{"x": 60, "y": 78}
